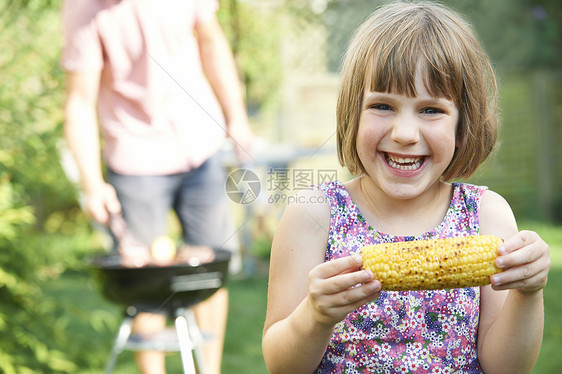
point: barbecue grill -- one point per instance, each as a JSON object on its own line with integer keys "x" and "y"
{"x": 171, "y": 289}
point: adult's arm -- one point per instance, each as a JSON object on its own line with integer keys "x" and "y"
{"x": 82, "y": 135}
{"x": 220, "y": 68}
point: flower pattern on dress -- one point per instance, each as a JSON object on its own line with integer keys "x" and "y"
{"x": 404, "y": 331}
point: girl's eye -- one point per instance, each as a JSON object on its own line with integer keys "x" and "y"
{"x": 381, "y": 107}
{"x": 431, "y": 111}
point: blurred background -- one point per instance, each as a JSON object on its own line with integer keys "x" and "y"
{"x": 52, "y": 319}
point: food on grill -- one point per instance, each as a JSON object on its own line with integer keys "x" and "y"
{"x": 433, "y": 264}
{"x": 163, "y": 250}
{"x": 133, "y": 255}
{"x": 133, "y": 252}
{"x": 195, "y": 255}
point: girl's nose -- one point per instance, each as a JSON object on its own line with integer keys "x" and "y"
{"x": 405, "y": 130}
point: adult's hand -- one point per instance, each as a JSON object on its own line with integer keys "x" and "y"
{"x": 101, "y": 202}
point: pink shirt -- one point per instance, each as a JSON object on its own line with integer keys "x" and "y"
{"x": 157, "y": 112}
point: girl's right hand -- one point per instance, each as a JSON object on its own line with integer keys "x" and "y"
{"x": 338, "y": 287}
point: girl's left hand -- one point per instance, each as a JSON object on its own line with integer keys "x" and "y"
{"x": 525, "y": 259}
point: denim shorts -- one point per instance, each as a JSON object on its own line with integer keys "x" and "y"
{"x": 198, "y": 197}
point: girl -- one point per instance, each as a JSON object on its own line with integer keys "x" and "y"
{"x": 416, "y": 110}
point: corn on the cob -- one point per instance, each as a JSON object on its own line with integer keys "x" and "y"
{"x": 433, "y": 264}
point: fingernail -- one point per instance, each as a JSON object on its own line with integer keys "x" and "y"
{"x": 501, "y": 250}
{"x": 499, "y": 262}
{"x": 495, "y": 280}
{"x": 357, "y": 258}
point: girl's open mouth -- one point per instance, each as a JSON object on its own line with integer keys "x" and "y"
{"x": 404, "y": 163}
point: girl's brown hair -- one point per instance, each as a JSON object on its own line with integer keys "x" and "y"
{"x": 385, "y": 53}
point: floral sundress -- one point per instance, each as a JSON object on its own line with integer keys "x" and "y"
{"x": 404, "y": 331}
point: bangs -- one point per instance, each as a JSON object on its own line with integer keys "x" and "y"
{"x": 416, "y": 43}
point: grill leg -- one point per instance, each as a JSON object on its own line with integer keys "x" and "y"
{"x": 120, "y": 341}
{"x": 197, "y": 338}
{"x": 186, "y": 343}
{"x": 191, "y": 342}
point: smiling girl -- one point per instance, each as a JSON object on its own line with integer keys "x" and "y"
{"x": 416, "y": 109}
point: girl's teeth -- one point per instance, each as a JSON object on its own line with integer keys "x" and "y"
{"x": 407, "y": 163}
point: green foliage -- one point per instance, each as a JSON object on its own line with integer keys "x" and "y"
{"x": 517, "y": 34}
{"x": 13, "y": 217}
{"x": 32, "y": 186}
{"x": 254, "y": 36}
{"x": 531, "y": 38}
{"x": 28, "y": 335}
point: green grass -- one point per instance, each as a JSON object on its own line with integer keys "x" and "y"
{"x": 91, "y": 323}
{"x": 550, "y": 359}
{"x": 242, "y": 350}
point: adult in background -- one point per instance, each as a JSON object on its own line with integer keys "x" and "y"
{"x": 158, "y": 81}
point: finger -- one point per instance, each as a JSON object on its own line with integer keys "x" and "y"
{"x": 524, "y": 273}
{"x": 523, "y": 255}
{"x": 526, "y": 268}
{"x": 358, "y": 295}
{"x": 112, "y": 203}
{"x": 113, "y": 206}
{"x": 336, "y": 307}
{"x": 99, "y": 215}
{"x": 345, "y": 281}
{"x": 338, "y": 266}
{"x": 518, "y": 241}
{"x": 515, "y": 274}
{"x": 533, "y": 283}
{"x": 338, "y": 313}
{"x": 95, "y": 209}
